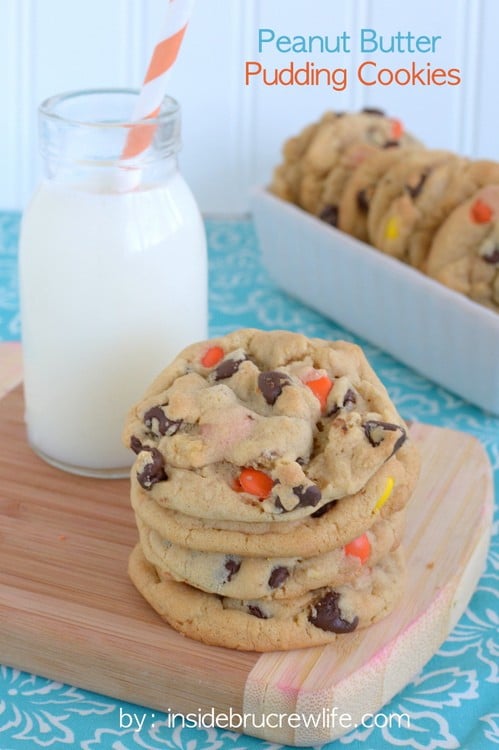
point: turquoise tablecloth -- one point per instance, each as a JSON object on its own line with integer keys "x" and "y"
{"x": 453, "y": 703}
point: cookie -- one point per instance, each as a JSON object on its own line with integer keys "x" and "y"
{"x": 312, "y": 619}
{"x": 415, "y": 206}
{"x": 332, "y": 138}
{"x": 359, "y": 189}
{"x": 332, "y": 526}
{"x": 287, "y": 175}
{"x": 460, "y": 180}
{"x": 464, "y": 254}
{"x": 271, "y": 577}
{"x": 407, "y": 176}
{"x": 260, "y": 426}
{"x": 440, "y": 192}
{"x": 328, "y": 206}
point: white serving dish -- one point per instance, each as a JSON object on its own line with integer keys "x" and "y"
{"x": 436, "y": 331}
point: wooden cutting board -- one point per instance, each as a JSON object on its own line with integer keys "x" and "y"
{"x": 69, "y": 612}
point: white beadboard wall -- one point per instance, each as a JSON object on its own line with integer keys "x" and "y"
{"x": 232, "y": 133}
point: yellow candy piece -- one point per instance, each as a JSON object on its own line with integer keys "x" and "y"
{"x": 390, "y": 483}
{"x": 392, "y": 229}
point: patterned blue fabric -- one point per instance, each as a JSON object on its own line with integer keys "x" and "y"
{"x": 453, "y": 703}
{"x": 10, "y": 328}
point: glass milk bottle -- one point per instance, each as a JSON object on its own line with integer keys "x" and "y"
{"x": 113, "y": 275}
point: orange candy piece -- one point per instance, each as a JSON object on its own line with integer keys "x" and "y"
{"x": 212, "y": 356}
{"x": 359, "y": 547}
{"x": 320, "y": 387}
{"x": 255, "y": 482}
{"x": 397, "y": 129}
{"x": 481, "y": 213}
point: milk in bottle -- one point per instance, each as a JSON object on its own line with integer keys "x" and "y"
{"x": 113, "y": 277}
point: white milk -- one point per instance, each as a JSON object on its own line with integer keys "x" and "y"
{"x": 113, "y": 285}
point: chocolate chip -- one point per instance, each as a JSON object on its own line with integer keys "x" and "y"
{"x": 350, "y": 399}
{"x": 153, "y": 471}
{"x": 325, "y": 508}
{"x": 326, "y": 615}
{"x": 362, "y": 201}
{"x": 307, "y": 496}
{"x": 391, "y": 144}
{"x": 492, "y": 257}
{"x": 400, "y": 442}
{"x": 375, "y": 430}
{"x": 415, "y": 189}
{"x": 135, "y": 444}
{"x": 227, "y": 368}
{"x": 373, "y": 111}
{"x": 256, "y": 612}
{"x": 166, "y": 426}
{"x": 232, "y": 566}
{"x": 329, "y": 214}
{"x": 271, "y": 384}
{"x": 278, "y": 576}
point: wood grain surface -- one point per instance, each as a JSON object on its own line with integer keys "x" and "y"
{"x": 69, "y": 612}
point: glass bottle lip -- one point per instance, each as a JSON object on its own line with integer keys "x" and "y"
{"x": 48, "y": 109}
{"x": 93, "y": 126}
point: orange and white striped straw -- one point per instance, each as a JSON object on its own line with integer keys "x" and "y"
{"x": 154, "y": 86}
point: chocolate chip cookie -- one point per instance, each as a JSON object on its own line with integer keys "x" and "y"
{"x": 333, "y": 525}
{"x": 242, "y": 577}
{"x": 262, "y": 426}
{"x": 330, "y": 140}
{"x": 464, "y": 254}
{"x": 269, "y": 487}
{"x": 460, "y": 180}
{"x": 359, "y": 190}
{"x": 389, "y": 228}
{"x": 328, "y": 207}
{"x": 287, "y": 176}
{"x": 312, "y": 619}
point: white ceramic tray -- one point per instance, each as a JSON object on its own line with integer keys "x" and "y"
{"x": 438, "y": 332}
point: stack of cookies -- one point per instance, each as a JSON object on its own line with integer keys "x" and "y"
{"x": 269, "y": 486}
{"x": 432, "y": 209}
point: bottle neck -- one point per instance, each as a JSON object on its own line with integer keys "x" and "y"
{"x": 110, "y": 176}
{"x": 88, "y": 140}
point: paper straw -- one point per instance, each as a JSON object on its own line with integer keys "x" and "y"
{"x": 154, "y": 86}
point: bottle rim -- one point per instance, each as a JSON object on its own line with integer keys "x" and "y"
{"x": 92, "y": 127}
{"x": 48, "y": 108}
